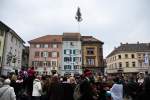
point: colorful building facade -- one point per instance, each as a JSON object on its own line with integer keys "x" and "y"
{"x": 44, "y": 54}
{"x": 71, "y": 54}
{"x": 92, "y": 54}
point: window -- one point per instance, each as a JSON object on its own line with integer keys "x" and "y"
{"x": 132, "y": 56}
{"x": 45, "y": 45}
{"x": 120, "y": 64}
{"x": 76, "y": 59}
{"x": 41, "y": 45}
{"x": 140, "y": 63}
{"x": 67, "y": 59}
{"x": 119, "y": 56}
{"x": 37, "y": 45}
{"x": 54, "y": 54}
{"x": 37, "y": 54}
{"x": 139, "y": 56}
{"x": 133, "y": 64}
{"x": 126, "y": 55}
{"x": 90, "y": 51}
{"x": 91, "y": 61}
{"x": 67, "y": 67}
{"x": 68, "y": 51}
{"x": 54, "y": 64}
{"x": 127, "y": 64}
{"x": 76, "y": 51}
{"x": 49, "y": 63}
{"x": 54, "y": 45}
{"x": 44, "y": 54}
{"x": 76, "y": 66}
{"x": 45, "y": 63}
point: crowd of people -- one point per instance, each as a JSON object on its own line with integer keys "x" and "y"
{"x": 28, "y": 85}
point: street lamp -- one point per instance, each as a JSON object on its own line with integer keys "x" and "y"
{"x": 45, "y": 65}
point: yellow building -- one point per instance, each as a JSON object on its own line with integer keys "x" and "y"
{"x": 92, "y": 54}
{"x": 129, "y": 59}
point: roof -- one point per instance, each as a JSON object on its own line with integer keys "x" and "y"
{"x": 8, "y": 29}
{"x": 90, "y": 39}
{"x": 139, "y": 47}
{"x": 47, "y": 39}
{"x": 71, "y": 36}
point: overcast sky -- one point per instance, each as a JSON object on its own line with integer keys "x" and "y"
{"x": 111, "y": 21}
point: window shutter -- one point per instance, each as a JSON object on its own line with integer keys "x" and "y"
{"x": 74, "y": 51}
{"x": 41, "y": 54}
{"x": 64, "y": 51}
{"x": 70, "y": 51}
{"x": 74, "y": 59}
{"x": 57, "y": 54}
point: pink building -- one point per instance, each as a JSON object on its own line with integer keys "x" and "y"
{"x": 45, "y": 54}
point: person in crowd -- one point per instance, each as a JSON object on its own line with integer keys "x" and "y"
{"x": 67, "y": 88}
{"x": 45, "y": 85}
{"x": 140, "y": 78}
{"x": 31, "y": 77}
{"x": 6, "y": 91}
{"x": 102, "y": 90}
{"x": 87, "y": 87}
{"x": 131, "y": 88}
{"x": 145, "y": 94}
{"x": 13, "y": 81}
{"x": 37, "y": 88}
{"x": 117, "y": 90}
{"x": 19, "y": 87}
{"x": 55, "y": 91}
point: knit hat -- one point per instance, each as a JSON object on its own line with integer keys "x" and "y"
{"x": 87, "y": 72}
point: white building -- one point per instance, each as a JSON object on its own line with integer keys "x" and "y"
{"x": 71, "y": 54}
{"x": 129, "y": 59}
{"x": 12, "y": 52}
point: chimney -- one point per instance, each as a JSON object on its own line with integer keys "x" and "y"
{"x": 138, "y": 42}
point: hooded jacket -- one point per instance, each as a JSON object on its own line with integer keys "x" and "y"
{"x": 7, "y": 93}
{"x": 37, "y": 88}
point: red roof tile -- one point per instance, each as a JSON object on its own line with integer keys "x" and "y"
{"x": 47, "y": 39}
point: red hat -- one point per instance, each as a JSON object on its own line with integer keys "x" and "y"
{"x": 87, "y": 72}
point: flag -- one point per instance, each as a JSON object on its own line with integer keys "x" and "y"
{"x": 146, "y": 59}
{"x": 78, "y": 15}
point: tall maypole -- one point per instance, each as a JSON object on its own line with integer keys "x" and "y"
{"x": 78, "y": 17}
